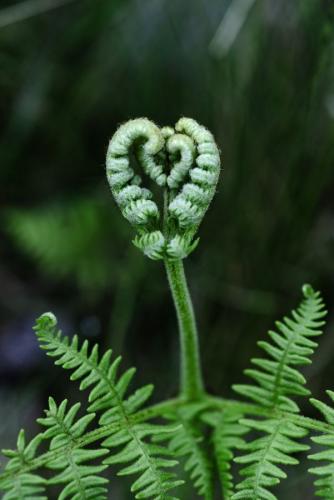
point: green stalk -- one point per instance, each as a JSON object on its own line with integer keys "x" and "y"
{"x": 190, "y": 370}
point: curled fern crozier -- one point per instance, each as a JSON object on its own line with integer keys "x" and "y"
{"x": 184, "y": 162}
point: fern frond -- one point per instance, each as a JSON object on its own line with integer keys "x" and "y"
{"x": 146, "y": 459}
{"x": 96, "y": 373}
{"x": 25, "y": 486}
{"x": 277, "y": 378}
{"x": 81, "y": 481}
{"x": 108, "y": 396}
{"x": 264, "y": 455}
{"x": 325, "y": 484}
{"x": 188, "y": 441}
{"x": 226, "y": 437}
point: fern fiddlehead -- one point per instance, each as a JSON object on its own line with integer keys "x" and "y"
{"x": 134, "y": 201}
{"x": 184, "y": 162}
{"x": 190, "y": 204}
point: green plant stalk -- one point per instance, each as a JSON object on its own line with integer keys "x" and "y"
{"x": 192, "y": 387}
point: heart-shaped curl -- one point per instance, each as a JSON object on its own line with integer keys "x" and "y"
{"x": 184, "y": 162}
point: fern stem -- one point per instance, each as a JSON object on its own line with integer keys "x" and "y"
{"x": 190, "y": 369}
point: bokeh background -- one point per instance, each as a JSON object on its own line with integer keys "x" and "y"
{"x": 259, "y": 74}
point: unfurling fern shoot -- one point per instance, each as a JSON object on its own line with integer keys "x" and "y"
{"x": 118, "y": 431}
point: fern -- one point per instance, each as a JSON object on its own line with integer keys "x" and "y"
{"x": 277, "y": 380}
{"x": 291, "y": 346}
{"x": 188, "y": 441}
{"x": 263, "y": 454}
{"x": 206, "y": 432}
{"x": 226, "y": 438}
{"x": 25, "y": 485}
{"x": 82, "y": 481}
{"x": 108, "y": 396}
{"x": 325, "y": 484}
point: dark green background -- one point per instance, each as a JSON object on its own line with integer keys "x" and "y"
{"x": 68, "y": 77}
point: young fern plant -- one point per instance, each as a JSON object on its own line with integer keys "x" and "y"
{"x": 119, "y": 431}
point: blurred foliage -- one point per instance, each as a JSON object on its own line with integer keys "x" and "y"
{"x": 263, "y": 85}
{"x": 69, "y": 240}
